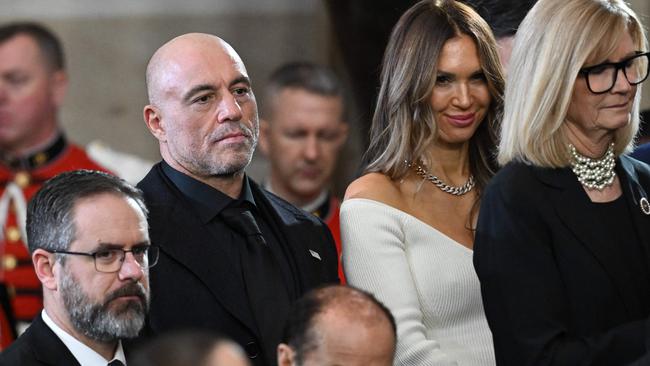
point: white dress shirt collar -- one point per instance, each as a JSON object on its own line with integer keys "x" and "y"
{"x": 85, "y": 355}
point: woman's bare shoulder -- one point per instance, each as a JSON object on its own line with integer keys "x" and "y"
{"x": 377, "y": 187}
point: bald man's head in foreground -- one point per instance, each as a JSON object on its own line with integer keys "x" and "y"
{"x": 338, "y": 325}
{"x": 189, "y": 347}
{"x": 201, "y": 107}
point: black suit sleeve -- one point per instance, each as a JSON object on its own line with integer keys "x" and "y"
{"x": 525, "y": 297}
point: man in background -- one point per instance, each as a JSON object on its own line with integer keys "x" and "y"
{"x": 302, "y": 132}
{"x": 337, "y": 325}
{"x": 33, "y": 148}
{"x": 504, "y": 17}
{"x": 89, "y": 241}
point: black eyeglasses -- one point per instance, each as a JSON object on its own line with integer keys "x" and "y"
{"x": 110, "y": 260}
{"x": 601, "y": 78}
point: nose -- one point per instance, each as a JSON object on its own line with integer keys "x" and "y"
{"x": 462, "y": 97}
{"x": 229, "y": 109}
{"x": 131, "y": 269}
{"x": 312, "y": 148}
{"x": 621, "y": 85}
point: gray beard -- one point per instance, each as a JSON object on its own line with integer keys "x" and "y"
{"x": 97, "y": 320}
{"x": 206, "y": 168}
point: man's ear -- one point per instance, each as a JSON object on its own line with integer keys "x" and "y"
{"x": 44, "y": 266}
{"x": 263, "y": 142}
{"x": 344, "y": 129}
{"x": 59, "y": 87}
{"x": 153, "y": 120}
{"x": 286, "y": 355}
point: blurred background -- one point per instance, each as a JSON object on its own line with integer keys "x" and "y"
{"x": 108, "y": 44}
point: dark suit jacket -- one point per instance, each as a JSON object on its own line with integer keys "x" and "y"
{"x": 552, "y": 294}
{"x": 642, "y": 152}
{"x": 194, "y": 285}
{"x": 38, "y": 346}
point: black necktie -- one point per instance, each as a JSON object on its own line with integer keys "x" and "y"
{"x": 115, "y": 363}
{"x": 265, "y": 285}
{"x": 242, "y": 221}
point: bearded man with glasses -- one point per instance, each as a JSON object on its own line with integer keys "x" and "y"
{"x": 88, "y": 237}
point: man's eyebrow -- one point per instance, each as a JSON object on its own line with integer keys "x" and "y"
{"x": 197, "y": 89}
{"x": 241, "y": 79}
{"x": 209, "y": 87}
{"x": 103, "y": 246}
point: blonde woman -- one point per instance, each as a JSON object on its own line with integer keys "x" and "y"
{"x": 563, "y": 238}
{"x": 408, "y": 224}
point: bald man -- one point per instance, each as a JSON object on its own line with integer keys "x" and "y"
{"x": 196, "y": 348}
{"x": 233, "y": 257}
{"x": 337, "y": 325}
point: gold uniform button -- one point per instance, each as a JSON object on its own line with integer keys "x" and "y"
{"x": 9, "y": 262}
{"x": 40, "y": 158}
{"x": 22, "y": 179}
{"x": 13, "y": 234}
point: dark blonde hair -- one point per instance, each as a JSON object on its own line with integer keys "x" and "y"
{"x": 403, "y": 127}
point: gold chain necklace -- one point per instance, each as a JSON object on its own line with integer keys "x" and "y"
{"x": 456, "y": 191}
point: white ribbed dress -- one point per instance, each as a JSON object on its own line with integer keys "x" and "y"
{"x": 424, "y": 277}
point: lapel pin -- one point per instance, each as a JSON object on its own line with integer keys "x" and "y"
{"x": 645, "y": 205}
{"x": 317, "y": 256}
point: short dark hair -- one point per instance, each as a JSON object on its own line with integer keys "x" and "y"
{"x": 47, "y": 41}
{"x": 314, "y": 78}
{"x": 299, "y": 332}
{"x": 50, "y": 214}
{"x": 503, "y": 16}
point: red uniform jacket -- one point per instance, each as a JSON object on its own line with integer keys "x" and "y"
{"x": 17, "y": 186}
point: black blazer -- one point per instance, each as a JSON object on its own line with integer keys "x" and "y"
{"x": 194, "y": 285}
{"x": 38, "y": 346}
{"x": 552, "y": 294}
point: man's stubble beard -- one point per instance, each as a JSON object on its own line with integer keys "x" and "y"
{"x": 210, "y": 166}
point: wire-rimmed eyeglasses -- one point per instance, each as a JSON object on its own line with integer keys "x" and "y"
{"x": 109, "y": 260}
{"x": 601, "y": 78}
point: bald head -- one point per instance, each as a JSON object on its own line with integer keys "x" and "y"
{"x": 190, "y": 347}
{"x": 202, "y": 110}
{"x": 352, "y": 305}
{"x": 171, "y": 58}
{"x": 338, "y": 325}
{"x": 226, "y": 353}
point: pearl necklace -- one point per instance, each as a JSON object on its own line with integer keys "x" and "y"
{"x": 594, "y": 173}
{"x": 456, "y": 191}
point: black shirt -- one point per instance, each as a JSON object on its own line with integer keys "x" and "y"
{"x": 209, "y": 202}
{"x": 626, "y": 249}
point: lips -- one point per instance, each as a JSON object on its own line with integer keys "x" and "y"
{"x": 130, "y": 292}
{"x": 310, "y": 173}
{"x": 233, "y": 137}
{"x": 621, "y": 105}
{"x": 233, "y": 134}
{"x": 461, "y": 120}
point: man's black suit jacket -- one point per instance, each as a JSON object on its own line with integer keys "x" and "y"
{"x": 38, "y": 346}
{"x": 553, "y": 292}
{"x": 195, "y": 286}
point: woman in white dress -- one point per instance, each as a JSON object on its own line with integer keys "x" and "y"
{"x": 407, "y": 225}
